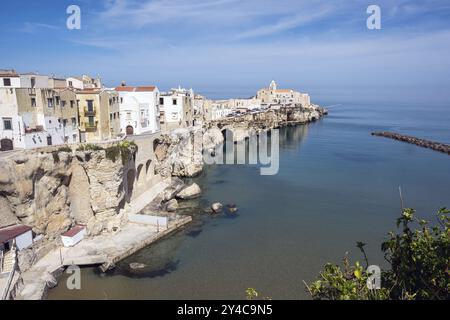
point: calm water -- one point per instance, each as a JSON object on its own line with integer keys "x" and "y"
{"x": 336, "y": 185}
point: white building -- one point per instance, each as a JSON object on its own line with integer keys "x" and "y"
{"x": 20, "y": 234}
{"x": 177, "y": 108}
{"x": 139, "y": 109}
{"x": 275, "y": 96}
{"x": 9, "y": 79}
{"x": 220, "y": 109}
{"x": 33, "y": 115}
{"x": 73, "y": 236}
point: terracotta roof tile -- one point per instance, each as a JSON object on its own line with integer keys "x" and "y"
{"x": 135, "y": 89}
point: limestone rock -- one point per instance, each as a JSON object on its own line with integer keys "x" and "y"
{"x": 190, "y": 192}
{"x": 26, "y": 258}
{"x": 137, "y": 266}
{"x": 80, "y": 204}
{"x": 7, "y": 216}
{"x": 57, "y": 224}
{"x": 172, "y": 205}
{"x": 217, "y": 207}
{"x": 94, "y": 227}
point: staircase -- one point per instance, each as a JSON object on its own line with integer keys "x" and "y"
{"x": 7, "y": 263}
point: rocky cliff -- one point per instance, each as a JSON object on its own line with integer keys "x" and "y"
{"x": 52, "y": 190}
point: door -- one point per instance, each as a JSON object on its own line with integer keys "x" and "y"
{"x": 6, "y": 145}
{"x": 49, "y": 140}
{"x": 130, "y": 131}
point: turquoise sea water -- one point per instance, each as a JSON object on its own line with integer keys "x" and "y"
{"x": 336, "y": 185}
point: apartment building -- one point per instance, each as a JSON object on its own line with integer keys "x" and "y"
{"x": 94, "y": 114}
{"x": 139, "y": 109}
{"x": 177, "y": 107}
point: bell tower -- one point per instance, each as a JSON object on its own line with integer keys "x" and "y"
{"x": 273, "y": 85}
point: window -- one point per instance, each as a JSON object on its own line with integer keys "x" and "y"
{"x": 72, "y": 104}
{"x": 121, "y": 100}
{"x": 7, "y": 82}
{"x": 90, "y": 104}
{"x": 7, "y": 124}
{"x": 174, "y": 102}
{"x": 63, "y": 103}
{"x": 70, "y": 83}
{"x": 74, "y": 122}
{"x": 78, "y": 103}
{"x": 110, "y": 117}
{"x": 57, "y": 101}
{"x": 161, "y": 100}
{"x": 91, "y": 121}
{"x": 33, "y": 102}
{"x": 65, "y": 123}
{"x": 33, "y": 82}
{"x": 50, "y": 102}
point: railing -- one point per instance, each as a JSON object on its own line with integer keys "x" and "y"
{"x": 89, "y": 112}
{"x": 90, "y": 127}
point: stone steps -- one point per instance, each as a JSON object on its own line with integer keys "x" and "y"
{"x": 8, "y": 262}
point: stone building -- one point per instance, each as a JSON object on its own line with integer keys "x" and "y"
{"x": 177, "y": 108}
{"x": 34, "y": 114}
{"x": 94, "y": 114}
{"x": 276, "y": 96}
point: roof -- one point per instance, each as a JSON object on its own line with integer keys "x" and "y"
{"x": 283, "y": 90}
{"x": 8, "y": 73}
{"x": 11, "y": 232}
{"x": 89, "y": 91}
{"x": 136, "y": 89}
{"x": 74, "y": 231}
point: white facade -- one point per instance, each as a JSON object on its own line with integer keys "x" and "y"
{"x": 139, "y": 109}
{"x": 177, "y": 107}
{"x": 24, "y": 240}
{"x": 9, "y": 79}
{"x": 75, "y": 83}
{"x": 34, "y": 81}
{"x": 220, "y": 110}
{"x": 15, "y": 126}
{"x": 72, "y": 240}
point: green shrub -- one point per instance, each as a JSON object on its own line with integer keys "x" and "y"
{"x": 125, "y": 149}
{"x": 419, "y": 262}
{"x": 89, "y": 147}
{"x": 65, "y": 149}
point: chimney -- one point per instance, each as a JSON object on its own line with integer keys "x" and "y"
{"x": 123, "y": 84}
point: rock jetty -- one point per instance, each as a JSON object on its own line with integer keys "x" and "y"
{"x": 437, "y": 146}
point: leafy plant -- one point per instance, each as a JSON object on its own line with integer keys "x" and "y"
{"x": 124, "y": 149}
{"x": 419, "y": 265}
{"x": 89, "y": 147}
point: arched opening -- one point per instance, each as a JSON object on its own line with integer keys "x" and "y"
{"x": 156, "y": 143}
{"x": 130, "y": 131}
{"x": 131, "y": 176}
{"x": 148, "y": 170}
{"x": 6, "y": 145}
{"x": 139, "y": 170}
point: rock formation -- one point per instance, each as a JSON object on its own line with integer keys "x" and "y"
{"x": 52, "y": 190}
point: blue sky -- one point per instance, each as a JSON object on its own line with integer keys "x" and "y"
{"x": 232, "y": 42}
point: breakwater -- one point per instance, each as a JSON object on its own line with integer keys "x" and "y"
{"x": 437, "y": 146}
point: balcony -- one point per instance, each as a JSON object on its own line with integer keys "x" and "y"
{"x": 89, "y": 112}
{"x": 90, "y": 127}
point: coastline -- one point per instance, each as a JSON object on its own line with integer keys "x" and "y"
{"x": 93, "y": 252}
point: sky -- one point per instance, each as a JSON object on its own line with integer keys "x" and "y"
{"x": 231, "y": 43}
